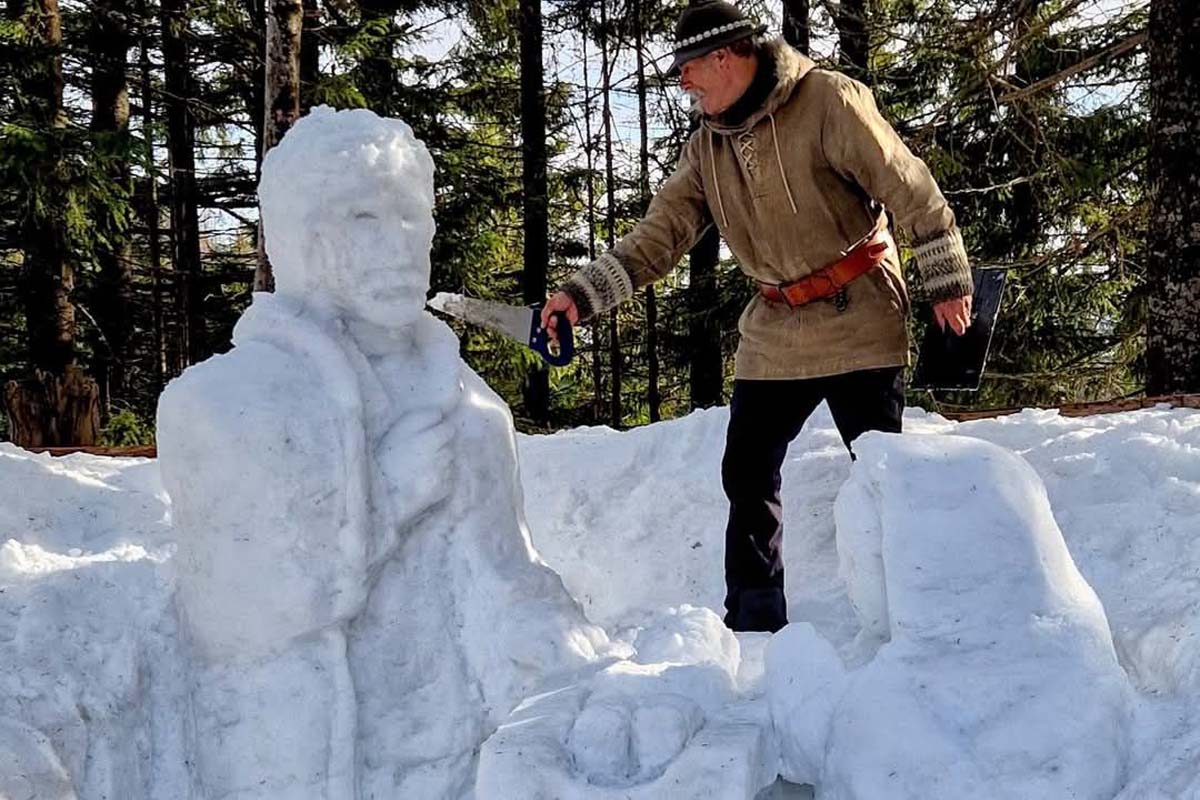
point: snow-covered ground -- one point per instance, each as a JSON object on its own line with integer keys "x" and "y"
{"x": 337, "y": 583}
{"x": 92, "y": 697}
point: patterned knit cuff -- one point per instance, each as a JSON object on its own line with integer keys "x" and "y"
{"x": 945, "y": 271}
{"x": 601, "y": 285}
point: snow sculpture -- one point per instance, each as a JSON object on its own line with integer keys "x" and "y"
{"x": 361, "y": 597}
{"x": 987, "y": 665}
{"x": 683, "y": 718}
{"x": 29, "y": 767}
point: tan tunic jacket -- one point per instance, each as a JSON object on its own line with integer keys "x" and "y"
{"x": 790, "y": 189}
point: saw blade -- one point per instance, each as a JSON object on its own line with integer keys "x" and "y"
{"x": 515, "y": 321}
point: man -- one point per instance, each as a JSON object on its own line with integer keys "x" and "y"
{"x": 795, "y": 166}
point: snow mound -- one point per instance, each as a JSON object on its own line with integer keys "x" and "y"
{"x": 91, "y": 698}
{"x": 984, "y": 665}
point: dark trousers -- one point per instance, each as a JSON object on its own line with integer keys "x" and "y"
{"x": 764, "y": 417}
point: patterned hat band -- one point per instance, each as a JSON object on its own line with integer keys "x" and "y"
{"x": 700, "y": 37}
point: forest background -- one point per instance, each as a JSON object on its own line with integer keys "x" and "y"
{"x": 1066, "y": 134}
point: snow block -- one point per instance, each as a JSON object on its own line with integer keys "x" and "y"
{"x": 984, "y": 667}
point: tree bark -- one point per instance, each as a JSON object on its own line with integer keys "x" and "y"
{"x": 1173, "y": 241}
{"x": 47, "y": 277}
{"x": 533, "y": 182}
{"x": 310, "y": 55}
{"x": 281, "y": 100}
{"x": 1024, "y": 154}
{"x": 152, "y": 211}
{"x": 796, "y": 26}
{"x": 616, "y": 412}
{"x": 654, "y": 397}
{"x": 51, "y": 410}
{"x": 109, "y": 45}
{"x": 589, "y": 149}
{"x": 181, "y": 140}
{"x": 37, "y": 407}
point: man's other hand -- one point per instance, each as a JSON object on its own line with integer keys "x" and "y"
{"x": 957, "y": 312}
{"x": 559, "y": 301}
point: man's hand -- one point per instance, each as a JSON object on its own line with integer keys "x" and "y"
{"x": 559, "y": 301}
{"x": 957, "y": 312}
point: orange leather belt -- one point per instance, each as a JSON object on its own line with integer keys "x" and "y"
{"x": 828, "y": 281}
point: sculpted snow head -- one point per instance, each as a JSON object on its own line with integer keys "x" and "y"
{"x": 347, "y": 208}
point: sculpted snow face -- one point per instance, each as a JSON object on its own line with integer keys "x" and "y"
{"x": 349, "y": 218}
{"x": 355, "y": 576}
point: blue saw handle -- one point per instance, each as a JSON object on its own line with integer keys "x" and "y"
{"x": 556, "y": 355}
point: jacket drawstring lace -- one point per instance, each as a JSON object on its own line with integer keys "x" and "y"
{"x": 712, "y": 158}
{"x": 779, "y": 160}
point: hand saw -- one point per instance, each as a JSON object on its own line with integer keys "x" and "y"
{"x": 523, "y": 323}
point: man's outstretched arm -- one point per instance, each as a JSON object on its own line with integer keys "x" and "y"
{"x": 674, "y": 222}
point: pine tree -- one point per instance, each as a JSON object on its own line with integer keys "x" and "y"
{"x": 59, "y": 404}
{"x": 536, "y": 251}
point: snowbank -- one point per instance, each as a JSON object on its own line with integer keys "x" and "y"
{"x": 91, "y": 693}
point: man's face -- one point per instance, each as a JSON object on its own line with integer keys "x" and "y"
{"x": 709, "y": 79}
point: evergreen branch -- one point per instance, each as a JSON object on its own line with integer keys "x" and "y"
{"x": 1121, "y": 48}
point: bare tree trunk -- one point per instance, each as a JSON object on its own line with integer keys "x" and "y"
{"x": 853, "y": 41}
{"x": 181, "y": 139}
{"x": 255, "y": 98}
{"x": 310, "y": 55}
{"x": 654, "y": 398}
{"x": 706, "y": 373}
{"x": 47, "y": 276}
{"x": 54, "y": 410}
{"x": 152, "y": 208}
{"x": 536, "y": 202}
{"x": 796, "y": 26}
{"x": 606, "y": 59}
{"x": 281, "y": 100}
{"x": 589, "y": 150}
{"x": 109, "y": 45}
{"x": 1173, "y": 266}
{"x": 706, "y": 380}
{"x": 50, "y": 406}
